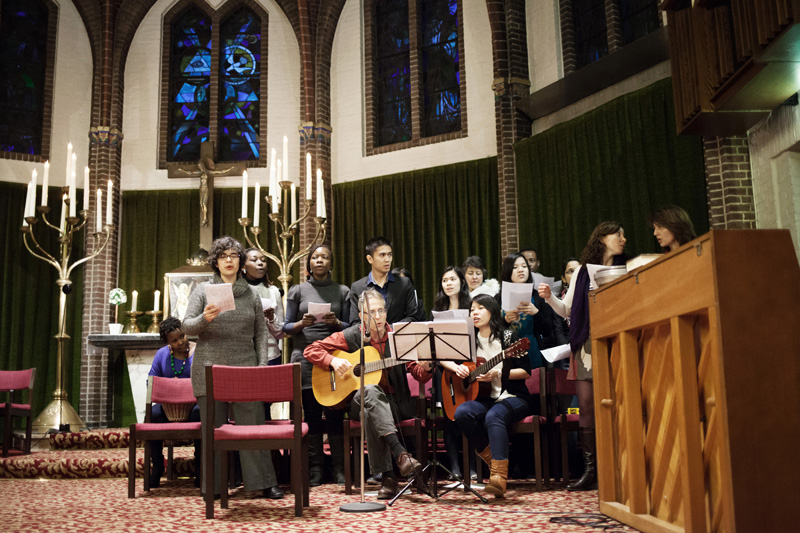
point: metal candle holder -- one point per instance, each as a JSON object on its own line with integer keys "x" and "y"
{"x": 132, "y": 326}
{"x": 156, "y": 321}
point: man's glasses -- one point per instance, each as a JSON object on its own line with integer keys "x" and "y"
{"x": 377, "y": 313}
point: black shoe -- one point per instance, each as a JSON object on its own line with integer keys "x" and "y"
{"x": 377, "y": 479}
{"x": 388, "y": 488}
{"x": 274, "y": 493}
{"x": 315, "y": 477}
{"x": 158, "y": 471}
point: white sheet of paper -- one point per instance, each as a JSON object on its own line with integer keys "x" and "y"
{"x": 462, "y": 314}
{"x": 221, "y": 295}
{"x": 592, "y": 270}
{"x": 410, "y": 341}
{"x": 267, "y": 303}
{"x": 515, "y": 293}
{"x": 538, "y": 278}
{"x": 556, "y": 353}
{"x": 318, "y": 310}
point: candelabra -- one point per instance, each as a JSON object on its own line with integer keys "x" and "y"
{"x": 59, "y": 413}
{"x": 285, "y": 233}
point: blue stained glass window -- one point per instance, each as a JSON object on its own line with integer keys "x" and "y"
{"x": 23, "y": 66}
{"x": 393, "y": 68}
{"x": 589, "y": 17}
{"x": 189, "y": 81}
{"x": 441, "y": 93}
{"x": 240, "y": 87}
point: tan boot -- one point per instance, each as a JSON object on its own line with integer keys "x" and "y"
{"x": 486, "y": 455}
{"x": 497, "y": 481}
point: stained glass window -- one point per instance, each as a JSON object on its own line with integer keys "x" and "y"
{"x": 638, "y": 18}
{"x": 393, "y": 69}
{"x": 240, "y": 87}
{"x": 441, "y": 106}
{"x": 591, "y": 39}
{"x": 23, "y": 67}
{"x": 189, "y": 79}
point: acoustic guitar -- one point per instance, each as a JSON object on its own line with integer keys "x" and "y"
{"x": 456, "y": 390}
{"x": 332, "y": 390}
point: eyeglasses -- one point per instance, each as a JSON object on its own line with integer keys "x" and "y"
{"x": 377, "y": 313}
{"x": 227, "y": 257}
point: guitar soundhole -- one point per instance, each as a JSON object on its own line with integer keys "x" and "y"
{"x": 357, "y": 371}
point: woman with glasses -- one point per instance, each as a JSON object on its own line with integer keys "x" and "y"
{"x": 235, "y": 338}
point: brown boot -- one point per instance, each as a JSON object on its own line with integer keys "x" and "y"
{"x": 588, "y": 480}
{"x": 497, "y": 481}
{"x": 486, "y": 455}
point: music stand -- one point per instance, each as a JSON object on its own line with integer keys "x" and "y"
{"x": 442, "y": 340}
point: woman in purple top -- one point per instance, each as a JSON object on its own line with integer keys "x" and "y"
{"x": 172, "y": 361}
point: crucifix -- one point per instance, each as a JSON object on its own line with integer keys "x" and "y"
{"x": 206, "y": 170}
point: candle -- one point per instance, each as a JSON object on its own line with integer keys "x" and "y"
{"x": 98, "y": 210}
{"x": 27, "y": 204}
{"x": 31, "y": 210}
{"x": 293, "y": 203}
{"x": 108, "y": 203}
{"x": 278, "y": 189}
{"x": 86, "y": 189}
{"x": 257, "y": 205}
{"x": 244, "y": 194}
{"x": 285, "y": 175}
{"x": 272, "y": 158}
{"x": 73, "y": 163}
{"x": 63, "y": 225}
{"x": 73, "y": 201}
{"x": 69, "y": 162}
{"x": 320, "y": 201}
{"x": 134, "y": 301}
{"x": 157, "y": 301}
{"x": 45, "y": 181}
{"x": 308, "y": 175}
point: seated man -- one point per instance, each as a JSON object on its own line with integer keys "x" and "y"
{"x": 381, "y": 401}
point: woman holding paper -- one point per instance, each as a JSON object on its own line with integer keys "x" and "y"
{"x": 320, "y": 291}
{"x": 255, "y": 273}
{"x": 236, "y": 337}
{"x": 605, "y": 247}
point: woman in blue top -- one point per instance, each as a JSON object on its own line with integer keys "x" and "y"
{"x": 172, "y": 361}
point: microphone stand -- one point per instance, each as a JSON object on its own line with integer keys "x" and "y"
{"x": 362, "y": 506}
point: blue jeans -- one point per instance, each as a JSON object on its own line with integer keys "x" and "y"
{"x": 486, "y": 423}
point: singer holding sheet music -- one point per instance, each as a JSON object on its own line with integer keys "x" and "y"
{"x": 384, "y": 403}
{"x": 486, "y": 422}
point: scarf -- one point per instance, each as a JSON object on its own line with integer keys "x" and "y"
{"x": 579, "y": 316}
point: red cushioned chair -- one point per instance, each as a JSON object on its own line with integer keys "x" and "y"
{"x": 410, "y": 427}
{"x": 163, "y": 391}
{"x": 10, "y": 381}
{"x": 559, "y": 386}
{"x": 237, "y": 384}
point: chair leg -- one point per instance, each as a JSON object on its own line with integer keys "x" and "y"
{"x": 537, "y": 457}
{"x": 28, "y": 431}
{"x": 208, "y": 472}
{"x": 7, "y": 429}
{"x": 305, "y": 478}
{"x": 466, "y": 451}
{"x": 223, "y": 495}
{"x": 132, "y": 464}
{"x": 146, "y": 466}
{"x": 348, "y": 467}
{"x": 297, "y": 478}
{"x": 564, "y": 456}
{"x": 170, "y": 471}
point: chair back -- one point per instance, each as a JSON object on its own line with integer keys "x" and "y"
{"x": 11, "y": 380}
{"x": 252, "y": 383}
{"x": 170, "y": 390}
{"x": 534, "y": 381}
{"x": 560, "y": 384}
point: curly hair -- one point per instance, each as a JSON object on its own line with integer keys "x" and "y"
{"x": 310, "y": 253}
{"x": 594, "y": 250}
{"x": 676, "y": 220}
{"x": 475, "y": 262}
{"x": 497, "y": 324}
{"x": 167, "y": 326}
{"x": 220, "y": 246}
{"x": 508, "y": 267}
{"x": 441, "y": 301}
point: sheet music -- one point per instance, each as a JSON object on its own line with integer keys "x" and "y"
{"x": 267, "y": 303}
{"x": 538, "y": 278}
{"x": 556, "y": 353}
{"x": 410, "y": 341}
{"x": 221, "y": 295}
{"x": 462, "y": 314}
{"x": 318, "y": 310}
{"x": 515, "y": 293}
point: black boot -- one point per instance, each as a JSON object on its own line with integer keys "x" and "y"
{"x": 588, "y": 480}
{"x": 198, "y": 462}
{"x": 336, "y": 443}
{"x": 316, "y": 460}
{"x": 157, "y": 458}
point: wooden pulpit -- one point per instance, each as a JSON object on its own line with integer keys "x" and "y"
{"x": 696, "y": 362}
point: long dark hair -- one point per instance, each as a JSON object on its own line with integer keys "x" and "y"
{"x": 442, "y": 301}
{"x": 508, "y": 267}
{"x": 594, "y": 250}
{"x": 496, "y": 323}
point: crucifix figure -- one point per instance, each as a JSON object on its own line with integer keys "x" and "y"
{"x": 205, "y": 169}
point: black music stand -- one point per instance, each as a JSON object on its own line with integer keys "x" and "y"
{"x": 444, "y": 340}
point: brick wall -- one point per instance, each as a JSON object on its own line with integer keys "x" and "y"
{"x": 729, "y": 183}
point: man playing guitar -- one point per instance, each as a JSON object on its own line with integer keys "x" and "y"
{"x": 391, "y": 396}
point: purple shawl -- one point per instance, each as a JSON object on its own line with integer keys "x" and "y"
{"x": 579, "y": 315}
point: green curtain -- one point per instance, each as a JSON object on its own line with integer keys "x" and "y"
{"x": 434, "y": 217}
{"x": 29, "y": 300}
{"x": 620, "y": 161}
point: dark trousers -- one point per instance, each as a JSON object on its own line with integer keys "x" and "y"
{"x": 486, "y": 423}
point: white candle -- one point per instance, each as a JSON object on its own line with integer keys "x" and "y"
{"x": 244, "y": 194}
{"x": 285, "y": 175}
{"x": 45, "y": 181}
{"x": 99, "y": 210}
{"x": 32, "y": 208}
{"x": 63, "y": 225}
{"x": 69, "y": 162}
{"x": 257, "y": 205}
{"x": 320, "y": 197}
{"x": 108, "y": 203}
{"x": 272, "y": 158}
{"x": 86, "y": 189}
{"x": 157, "y": 301}
{"x": 134, "y": 300}
{"x": 73, "y": 164}
{"x": 308, "y": 175}
{"x": 278, "y": 189}
{"x": 293, "y": 202}
{"x": 27, "y": 204}
{"x": 73, "y": 196}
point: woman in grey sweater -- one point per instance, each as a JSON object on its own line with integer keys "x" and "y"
{"x": 235, "y": 338}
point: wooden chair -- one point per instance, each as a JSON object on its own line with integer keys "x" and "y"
{"x": 163, "y": 391}
{"x": 415, "y": 428}
{"x": 10, "y": 381}
{"x": 236, "y": 384}
{"x": 558, "y": 386}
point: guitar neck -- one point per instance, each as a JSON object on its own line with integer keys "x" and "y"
{"x": 488, "y": 365}
{"x": 381, "y": 364}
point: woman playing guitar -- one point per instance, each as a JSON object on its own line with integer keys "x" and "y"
{"x": 486, "y": 421}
